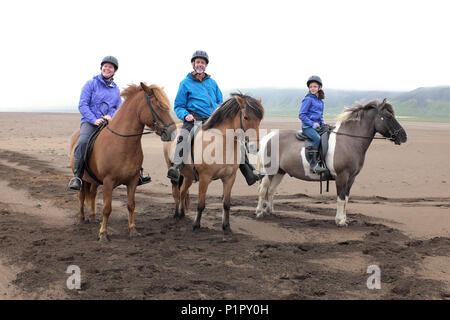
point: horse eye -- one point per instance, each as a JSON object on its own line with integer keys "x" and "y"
{"x": 245, "y": 118}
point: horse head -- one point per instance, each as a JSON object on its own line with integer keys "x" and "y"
{"x": 159, "y": 118}
{"x": 387, "y": 125}
{"x": 250, "y": 115}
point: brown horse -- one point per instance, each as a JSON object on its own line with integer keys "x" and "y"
{"x": 217, "y": 153}
{"x": 347, "y": 147}
{"x": 117, "y": 153}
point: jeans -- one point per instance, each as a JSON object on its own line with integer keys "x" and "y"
{"x": 312, "y": 133}
{"x": 86, "y": 130}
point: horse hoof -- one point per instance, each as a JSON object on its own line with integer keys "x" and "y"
{"x": 260, "y": 215}
{"x": 93, "y": 220}
{"x": 196, "y": 227}
{"x": 227, "y": 231}
{"x": 104, "y": 238}
{"x": 134, "y": 235}
{"x": 341, "y": 223}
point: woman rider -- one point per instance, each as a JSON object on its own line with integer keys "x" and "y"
{"x": 99, "y": 100}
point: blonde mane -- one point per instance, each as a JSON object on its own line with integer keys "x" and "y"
{"x": 356, "y": 112}
{"x": 133, "y": 89}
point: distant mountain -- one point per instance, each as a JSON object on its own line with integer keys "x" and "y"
{"x": 432, "y": 102}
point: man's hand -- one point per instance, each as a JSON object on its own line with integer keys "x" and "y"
{"x": 189, "y": 118}
{"x": 107, "y": 117}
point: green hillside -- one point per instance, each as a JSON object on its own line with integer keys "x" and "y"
{"x": 421, "y": 103}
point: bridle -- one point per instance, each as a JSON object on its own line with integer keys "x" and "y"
{"x": 393, "y": 133}
{"x": 164, "y": 132}
{"x": 246, "y": 142}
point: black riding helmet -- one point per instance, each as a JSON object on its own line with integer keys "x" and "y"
{"x": 200, "y": 54}
{"x": 314, "y": 79}
{"x": 112, "y": 60}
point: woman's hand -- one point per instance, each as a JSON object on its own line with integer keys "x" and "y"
{"x": 99, "y": 121}
{"x": 189, "y": 118}
{"x": 316, "y": 125}
{"x": 107, "y": 117}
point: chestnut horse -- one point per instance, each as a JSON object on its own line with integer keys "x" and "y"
{"x": 117, "y": 156}
{"x": 217, "y": 153}
{"x": 347, "y": 146}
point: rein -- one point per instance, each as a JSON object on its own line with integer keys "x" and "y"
{"x": 155, "y": 123}
{"x": 351, "y": 135}
{"x": 392, "y": 137}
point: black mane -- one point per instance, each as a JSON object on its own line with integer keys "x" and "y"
{"x": 231, "y": 107}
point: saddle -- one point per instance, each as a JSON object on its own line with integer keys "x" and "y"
{"x": 323, "y": 148}
{"x": 324, "y": 133}
{"x": 88, "y": 152}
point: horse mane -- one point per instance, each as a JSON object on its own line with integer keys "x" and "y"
{"x": 228, "y": 110}
{"x": 130, "y": 91}
{"x": 357, "y": 112}
{"x": 133, "y": 89}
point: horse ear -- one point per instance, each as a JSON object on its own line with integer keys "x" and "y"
{"x": 241, "y": 101}
{"x": 259, "y": 100}
{"x": 383, "y": 103}
{"x": 146, "y": 89}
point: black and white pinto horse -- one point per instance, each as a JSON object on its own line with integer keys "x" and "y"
{"x": 281, "y": 152}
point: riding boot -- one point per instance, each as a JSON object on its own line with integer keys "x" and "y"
{"x": 142, "y": 179}
{"x": 249, "y": 172}
{"x": 314, "y": 163}
{"x": 76, "y": 182}
{"x": 175, "y": 171}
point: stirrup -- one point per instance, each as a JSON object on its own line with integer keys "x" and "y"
{"x": 72, "y": 181}
{"x": 144, "y": 180}
{"x": 258, "y": 175}
{"x": 318, "y": 169}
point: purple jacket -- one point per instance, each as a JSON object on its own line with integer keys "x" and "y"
{"x": 95, "y": 97}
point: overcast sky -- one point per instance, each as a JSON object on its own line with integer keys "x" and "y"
{"x": 49, "y": 49}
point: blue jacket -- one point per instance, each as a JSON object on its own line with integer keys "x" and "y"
{"x": 94, "y": 93}
{"x": 311, "y": 111}
{"x": 199, "y": 97}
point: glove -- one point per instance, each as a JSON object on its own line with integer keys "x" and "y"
{"x": 316, "y": 125}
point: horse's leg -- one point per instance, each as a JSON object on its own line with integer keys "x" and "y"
{"x": 274, "y": 183}
{"x": 131, "y": 204}
{"x": 347, "y": 193}
{"x": 341, "y": 188}
{"x": 262, "y": 195}
{"x": 107, "y": 202}
{"x": 184, "y": 192}
{"x": 227, "y": 185}
{"x": 81, "y": 198}
{"x": 187, "y": 201}
{"x": 176, "y": 198}
{"x": 203, "y": 184}
{"x": 92, "y": 201}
